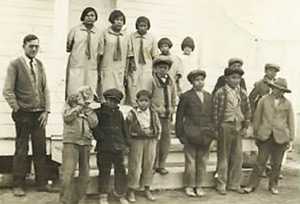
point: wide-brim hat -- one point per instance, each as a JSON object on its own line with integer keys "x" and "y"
{"x": 235, "y": 60}
{"x": 229, "y": 71}
{"x": 162, "y": 59}
{"x": 280, "y": 83}
{"x": 195, "y": 73}
{"x": 113, "y": 93}
{"x": 274, "y": 66}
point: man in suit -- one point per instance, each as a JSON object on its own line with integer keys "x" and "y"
{"x": 274, "y": 130}
{"x": 26, "y": 92}
{"x": 194, "y": 129}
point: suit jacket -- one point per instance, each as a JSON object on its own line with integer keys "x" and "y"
{"x": 278, "y": 120}
{"x": 261, "y": 88}
{"x": 193, "y": 114}
{"x": 18, "y": 90}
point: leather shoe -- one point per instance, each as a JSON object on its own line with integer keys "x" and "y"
{"x": 18, "y": 191}
{"x": 190, "y": 192}
{"x": 162, "y": 171}
{"x": 274, "y": 191}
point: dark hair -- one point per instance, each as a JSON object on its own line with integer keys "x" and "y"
{"x": 143, "y": 93}
{"x": 115, "y": 14}
{"x": 165, "y": 41}
{"x": 188, "y": 42}
{"x": 29, "y": 38}
{"x": 143, "y": 19}
{"x": 229, "y": 71}
{"x": 86, "y": 11}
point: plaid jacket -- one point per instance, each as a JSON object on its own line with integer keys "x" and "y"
{"x": 219, "y": 106}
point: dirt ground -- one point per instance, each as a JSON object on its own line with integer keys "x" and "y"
{"x": 289, "y": 192}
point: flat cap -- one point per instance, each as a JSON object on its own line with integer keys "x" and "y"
{"x": 195, "y": 73}
{"x": 113, "y": 93}
{"x": 162, "y": 60}
{"x": 235, "y": 60}
{"x": 229, "y": 71}
{"x": 270, "y": 65}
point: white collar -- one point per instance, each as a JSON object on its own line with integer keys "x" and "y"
{"x": 27, "y": 60}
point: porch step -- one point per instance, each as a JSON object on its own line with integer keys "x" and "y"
{"x": 173, "y": 180}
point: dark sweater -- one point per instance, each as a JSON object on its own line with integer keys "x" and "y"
{"x": 19, "y": 91}
{"x": 110, "y": 133}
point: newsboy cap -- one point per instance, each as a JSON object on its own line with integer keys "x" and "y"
{"x": 229, "y": 71}
{"x": 235, "y": 60}
{"x": 165, "y": 41}
{"x": 162, "y": 59}
{"x": 195, "y": 73}
{"x": 274, "y": 66}
{"x": 113, "y": 93}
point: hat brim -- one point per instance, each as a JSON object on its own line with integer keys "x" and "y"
{"x": 271, "y": 67}
{"x": 168, "y": 62}
{"x": 280, "y": 87}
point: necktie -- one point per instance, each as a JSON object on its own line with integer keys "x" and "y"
{"x": 117, "y": 52}
{"x": 141, "y": 52}
{"x": 88, "y": 45}
{"x": 32, "y": 70}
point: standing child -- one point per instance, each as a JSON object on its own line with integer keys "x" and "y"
{"x": 164, "y": 45}
{"x": 114, "y": 53}
{"x": 194, "y": 128}
{"x": 274, "y": 131}
{"x": 164, "y": 103}
{"x": 111, "y": 136}
{"x": 233, "y": 63}
{"x": 190, "y": 61}
{"x": 262, "y": 87}
{"x": 144, "y": 132}
{"x": 144, "y": 47}
{"x": 79, "y": 119}
{"x": 82, "y": 44}
{"x": 232, "y": 114}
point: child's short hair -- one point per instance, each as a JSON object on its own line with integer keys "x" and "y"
{"x": 143, "y": 93}
{"x": 188, "y": 42}
{"x": 114, "y": 94}
{"x": 72, "y": 99}
{"x": 86, "y": 11}
{"x": 116, "y": 14}
{"x": 143, "y": 19}
{"x": 165, "y": 41}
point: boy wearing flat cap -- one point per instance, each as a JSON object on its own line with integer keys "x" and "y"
{"x": 175, "y": 72}
{"x": 274, "y": 131}
{"x": 194, "y": 129}
{"x": 233, "y": 63}
{"x": 262, "y": 87}
{"x": 112, "y": 144}
{"x": 164, "y": 103}
{"x": 231, "y": 114}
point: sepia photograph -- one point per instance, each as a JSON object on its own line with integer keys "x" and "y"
{"x": 149, "y": 101}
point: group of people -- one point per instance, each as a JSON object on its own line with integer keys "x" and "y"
{"x": 112, "y": 68}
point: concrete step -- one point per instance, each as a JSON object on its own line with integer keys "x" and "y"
{"x": 173, "y": 180}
